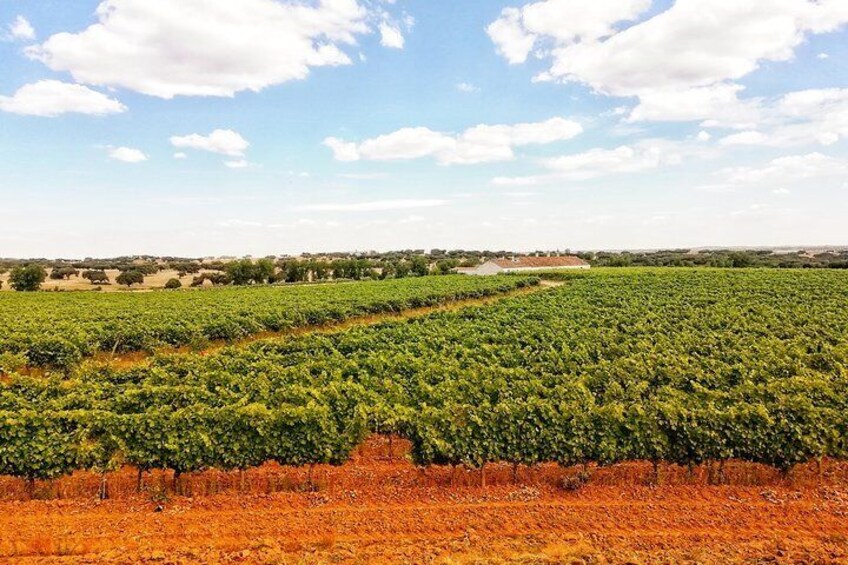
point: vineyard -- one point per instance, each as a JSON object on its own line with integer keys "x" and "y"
{"x": 57, "y": 330}
{"x": 688, "y": 367}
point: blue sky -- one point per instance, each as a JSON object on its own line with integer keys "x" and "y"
{"x": 210, "y": 127}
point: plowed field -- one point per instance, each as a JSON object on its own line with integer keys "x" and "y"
{"x": 373, "y": 510}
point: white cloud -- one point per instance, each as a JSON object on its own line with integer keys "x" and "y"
{"x": 671, "y": 61}
{"x": 598, "y": 162}
{"x": 21, "y": 29}
{"x": 342, "y": 150}
{"x": 406, "y": 143}
{"x": 467, "y": 87}
{"x": 703, "y": 136}
{"x": 745, "y": 138}
{"x": 237, "y": 164}
{"x": 626, "y": 159}
{"x": 479, "y": 144}
{"x": 207, "y": 47}
{"x": 374, "y": 206}
{"x": 127, "y": 155}
{"x": 390, "y": 36}
{"x": 565, "y": 22}
{"x": 180, "y": 155}
{"x": 783, "y": 170}
{"x": 222, "y": 141}
{"x": 823, "y": 56}
{"x": 820, "y": 115}
{"x": 508, "y": 34}
{"x": 807, "y": 117}
{"x": 50, "y": 98}
{"x": 718, "y": 103}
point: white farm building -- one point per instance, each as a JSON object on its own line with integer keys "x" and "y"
{"x": 519, "y": 264}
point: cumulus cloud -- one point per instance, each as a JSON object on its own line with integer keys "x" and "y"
{"x": 479, "y": 144}
{"x": 599, "y": 162}
{"x": 50, "y": 98}
{"x": 237, "y": 164}
{"x": 563, "y": 22}
{"x": 467, "y": 87}
{"x": 717, "y": 105}
{"x": 686, "y": 55}
{"x": 342, "y": 150}
{"x": 391, "y": 36}
{"x": 127, "y": 155}
{"x": 510, "y": 37}
{"x": 405, "y": 143}
{"x": 373, "y": 206}
{"x": 208, "y": 47}
{"x": 744, "y": 138}
{"x": 221, "y": 141}
{"x": 180, "y": 155}
{"x": 21, "y": 29}
{"x": 807, "y": 117}
{"x": 785, "y": 170}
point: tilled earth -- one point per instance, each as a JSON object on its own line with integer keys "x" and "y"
{"x": 375, "y": 511}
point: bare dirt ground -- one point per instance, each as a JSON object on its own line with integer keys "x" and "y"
{"x": 373, "y": 510}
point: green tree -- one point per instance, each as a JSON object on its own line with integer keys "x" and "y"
{"x": 241, "y": 272}
{"x": 263, "y": 271}
{"x": 445, "y": 266}
{"x": 27, "y": 278}
{"x": 96, "y": 276}
{"x": 61, "y": 273}
{"x": 130, "y": 278}
{"x": 419, "y": 266}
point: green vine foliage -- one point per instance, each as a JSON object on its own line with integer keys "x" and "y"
{"x": 57, "y": 330}
{"x": 684, "y": 366}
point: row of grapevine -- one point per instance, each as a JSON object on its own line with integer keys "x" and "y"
{"x": 60, "y": 329}
{"x": 681, "y": 366}
{"x": 46, "y": 445}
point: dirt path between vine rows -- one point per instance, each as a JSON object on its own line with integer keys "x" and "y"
{"x": 138, "y": 357}
{"x": 376, "y": 510}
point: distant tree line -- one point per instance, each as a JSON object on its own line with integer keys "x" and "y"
{"x": 720, "y": 258}
{"x": 378, "y": 266}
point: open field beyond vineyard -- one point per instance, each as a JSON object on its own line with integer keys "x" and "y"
{"x": 153, "y": 281}
{"x": 635, "y": 415}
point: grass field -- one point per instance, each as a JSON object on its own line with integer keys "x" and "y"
{"x": 151, "y": 282}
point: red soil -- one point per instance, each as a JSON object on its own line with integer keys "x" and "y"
{"x": 373, "y": 510}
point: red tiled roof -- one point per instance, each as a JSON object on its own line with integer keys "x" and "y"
{"x": 540, "y": 262}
